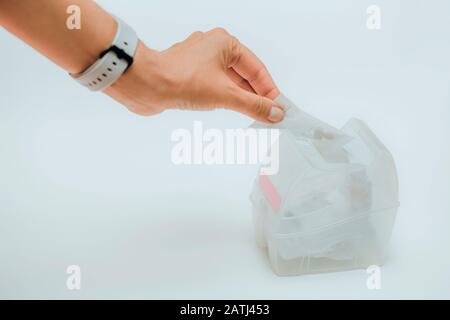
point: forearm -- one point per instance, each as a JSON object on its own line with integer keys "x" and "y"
{"x": 206, "y": 71}
{"x": 42, "y": 25}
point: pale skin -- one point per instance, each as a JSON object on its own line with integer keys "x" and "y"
{"x": 208, "y": 70}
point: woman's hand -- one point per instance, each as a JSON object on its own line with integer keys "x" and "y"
{"x": 206, "y": 71}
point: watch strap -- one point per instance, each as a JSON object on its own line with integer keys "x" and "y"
{"x": 113, "y": 62}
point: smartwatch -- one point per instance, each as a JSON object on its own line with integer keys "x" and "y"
{"x": 112, "y": 62}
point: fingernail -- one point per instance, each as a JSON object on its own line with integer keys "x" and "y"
{"x": 276, "y": 114}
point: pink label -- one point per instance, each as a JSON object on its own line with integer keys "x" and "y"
{"x": 270, "y": 192}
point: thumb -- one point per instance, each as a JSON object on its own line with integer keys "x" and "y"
{"x": 255, "y": 106}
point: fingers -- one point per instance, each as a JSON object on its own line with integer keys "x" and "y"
{"x": 239, "y": 81}
{"x": 252, "y": 88}
{"x": 255, "y": 106}
{"x": 250, "y": 67}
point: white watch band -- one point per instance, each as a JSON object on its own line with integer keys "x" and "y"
{"x": 113, "y": 62}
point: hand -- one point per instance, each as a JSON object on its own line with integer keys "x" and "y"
{"x": 206, "y": 71}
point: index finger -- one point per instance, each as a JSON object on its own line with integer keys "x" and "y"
{"x": 251, "y": 68}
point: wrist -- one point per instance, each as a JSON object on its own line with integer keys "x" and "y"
{"x": 143, "y": 88}
{"x": 89, "y": 51}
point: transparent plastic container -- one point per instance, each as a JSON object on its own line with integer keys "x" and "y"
{"x": 332, "y": 204}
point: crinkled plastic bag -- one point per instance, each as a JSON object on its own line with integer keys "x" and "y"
{"x": 332, "y": 204}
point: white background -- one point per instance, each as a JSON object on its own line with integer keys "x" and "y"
{"x": 85, "y": 182}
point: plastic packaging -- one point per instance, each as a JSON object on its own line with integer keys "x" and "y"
{"x": 332, "y": 204}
